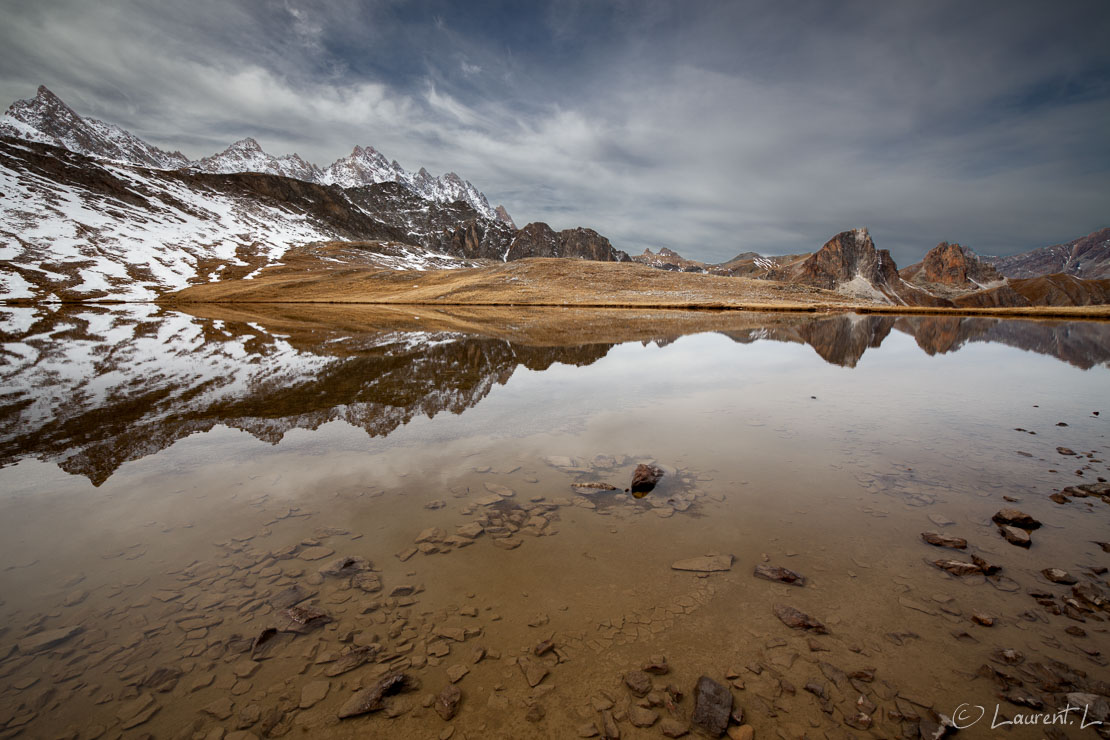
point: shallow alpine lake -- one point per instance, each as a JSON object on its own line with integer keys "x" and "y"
{"x": 246, "y": 522}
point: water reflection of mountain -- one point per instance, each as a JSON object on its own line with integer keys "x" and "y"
{"x": 91, "y": 387}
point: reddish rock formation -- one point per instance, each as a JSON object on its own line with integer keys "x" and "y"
{"x": 850, "y": 263}
{"x": 951, "y": 265}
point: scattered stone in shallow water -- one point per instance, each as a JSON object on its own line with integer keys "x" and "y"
{"x": 351, "y": 660}
{"x": 302, "y": 618}
{"x": 798, "y": 620}
{"x": 370, "y": 699}
{"x": 983, "y": 619}
{"x": 542, "y": 648}
{"x": 1016, "y": 518}
{"x": 1015, "y": 536}
{"x": 984, "y": 566}
{"x": 671, "y": 727}
{"x": 591, "y": 487}
{"x": 1056, "y": 575}
{"x": 657, "y": 665}
{"x": 641, "y": 717}
{"x": 638, "y": 682}
{"x": 712, "y": 706}
{"x": 345, "y": 566}
{"x": 943, "y": 540}
{"x": 316, "y": 553}
{"x": 291, "y": 597}
{"x": 447, "y": 703}
{"x": 705, "y": 564}
{"x": 1067, "y": 451}
{"x": 534, "y": 671}
{"x": 645, "y": 478}
{"x": 456, "y": 672}
{"x": 957, "y": 567}
{"x": 313, "y": 693}
{"x": 779, "y": 574}
{"x": 47, "y": 639}
{"x": 940, "y": 520}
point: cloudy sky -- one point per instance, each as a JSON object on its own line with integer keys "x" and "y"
{"x": 707, "y": 127}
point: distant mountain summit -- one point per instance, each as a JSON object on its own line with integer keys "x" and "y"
{"x": 48, "y": 120}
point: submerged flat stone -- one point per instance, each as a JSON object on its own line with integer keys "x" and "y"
{"x": 704, "y": 564}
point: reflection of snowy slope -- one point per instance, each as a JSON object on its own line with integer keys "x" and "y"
{"x": 94, "y": 387}
{"x": 129, "y": 371}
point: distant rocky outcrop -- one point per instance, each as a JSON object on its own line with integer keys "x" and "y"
{"x": 953, "y": 266}
{"x": 1085, "y": 257}
{"x": 540, "y": 240}
{"x": 668, "y": 259}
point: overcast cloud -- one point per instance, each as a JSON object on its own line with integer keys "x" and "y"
{"x": 711, "y": 128}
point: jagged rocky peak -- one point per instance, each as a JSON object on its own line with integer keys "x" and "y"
{"x": 952, "y": 265}
{"x": 46, "y": 119}
{"x": 848, "y": 256}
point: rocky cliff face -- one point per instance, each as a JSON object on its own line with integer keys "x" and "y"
{"x": 849, "y": 263}
{"x": 1085, "y": 257}
{"x": 953, "y": 266}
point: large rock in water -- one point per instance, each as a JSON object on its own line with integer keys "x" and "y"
{"x": 712, "y": 707}
{"x": 645, "y": 478}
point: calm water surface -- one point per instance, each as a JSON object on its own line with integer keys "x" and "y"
{"x": 171, "y": 483}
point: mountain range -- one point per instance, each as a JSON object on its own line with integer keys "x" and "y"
{"x": 92, "y": 212}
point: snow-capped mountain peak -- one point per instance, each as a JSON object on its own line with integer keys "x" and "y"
{"x": 46, "y": 119}
{"x": 246, "y": 155}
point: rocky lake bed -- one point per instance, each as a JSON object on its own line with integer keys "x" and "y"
{"x": 434, "y": 535}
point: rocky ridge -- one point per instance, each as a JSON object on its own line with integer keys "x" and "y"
{"x": 1085, "y": 257}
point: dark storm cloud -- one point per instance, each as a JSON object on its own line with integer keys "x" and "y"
{"x": 710, "y": 128}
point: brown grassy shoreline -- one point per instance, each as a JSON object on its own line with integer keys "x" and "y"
{"x": 555, "y": 283}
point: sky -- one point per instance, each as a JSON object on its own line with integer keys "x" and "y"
{"x": 710, "y": 128}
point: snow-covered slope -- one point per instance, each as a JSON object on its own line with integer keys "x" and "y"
{"x": 72, "y": 227}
